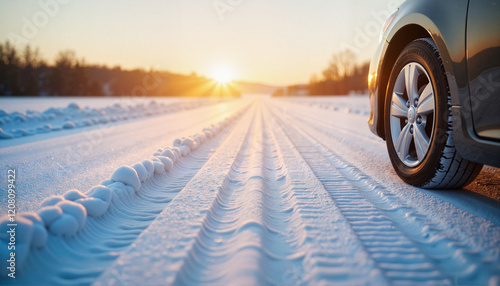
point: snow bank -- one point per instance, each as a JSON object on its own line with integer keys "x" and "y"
{"x": 19, "y": 124}
{"x": 66, "y": 215}
{"x": 353, "y": 104}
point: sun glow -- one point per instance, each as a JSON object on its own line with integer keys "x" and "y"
{"x": 222, "y": 75}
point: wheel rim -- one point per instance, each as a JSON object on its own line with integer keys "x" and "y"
{"x": 412, "y": 114}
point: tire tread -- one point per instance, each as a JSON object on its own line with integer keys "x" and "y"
{"x": 455, "y": 171}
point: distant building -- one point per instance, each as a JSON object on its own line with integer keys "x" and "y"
{"x": 297, "y": 90}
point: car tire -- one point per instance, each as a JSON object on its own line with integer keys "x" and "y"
{"x": 418, "y": 122}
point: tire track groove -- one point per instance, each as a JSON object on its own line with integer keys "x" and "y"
{"x": 276, "y": 206}
{"x": 185, "y": 214}
{"x": 451, "y": 253}
{"x": 245, "y": 226}
{"x": 330, "y": 242}
{"x": 360, "y": 213}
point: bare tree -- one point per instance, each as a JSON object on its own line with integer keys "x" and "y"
{"x": 60, "y": 79}
{"x": 31, "y": 57}
{"x": 66, "y": 59}
{"x": 343, "y": 62}
{"x": 30, "y": 72}
{"x": 331, "y": 73}
{"x": 338, "y": 75}
{"x": 9, "y": 69}
{"x": 339, "y": 70}
{"x": 79, "y": 78}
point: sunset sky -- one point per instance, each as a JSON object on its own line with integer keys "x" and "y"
{"x": 277, "y": 42}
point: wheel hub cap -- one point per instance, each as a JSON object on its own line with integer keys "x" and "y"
{"x": 412, "y": 115}
{"x": 412, "y": 112}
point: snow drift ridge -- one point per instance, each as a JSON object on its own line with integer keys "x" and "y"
{"x": 65, "y": 215}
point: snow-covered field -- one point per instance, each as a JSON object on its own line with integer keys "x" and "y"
{"x": 250, "y": 191}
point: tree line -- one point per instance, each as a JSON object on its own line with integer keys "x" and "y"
{"x": 26, "y": 73}
{"x": 341, "y": 76}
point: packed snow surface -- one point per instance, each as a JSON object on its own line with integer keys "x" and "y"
{"x": 17, "y": 124}
{"x": 252, "y": 191}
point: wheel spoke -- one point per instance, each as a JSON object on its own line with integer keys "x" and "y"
{"x": 398, "y": 106}
{"x": 398, "y": 112}
{"x": 411, "y": 78}
{"x": 403, "y": 143}
{"x": 426, "y": 102}
{"x": 421, "y": 142}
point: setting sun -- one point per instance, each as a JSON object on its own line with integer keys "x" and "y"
{"x": 232, "y": 142}
{"x": 223, "y": 75}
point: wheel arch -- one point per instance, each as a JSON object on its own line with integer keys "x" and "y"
{"x": 398, "y": 42}
{"x": 445, "y": 26}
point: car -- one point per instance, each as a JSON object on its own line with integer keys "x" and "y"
{"x": 434, "y": 87}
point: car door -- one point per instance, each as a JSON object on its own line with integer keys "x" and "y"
{"x": 483, "y": 59}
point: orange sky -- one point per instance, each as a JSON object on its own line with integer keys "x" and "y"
{"x": 277, "y": 42}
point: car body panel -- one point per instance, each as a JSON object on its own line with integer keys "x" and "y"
{"x": 483, "y": 61}
{"x": 376, "y": 110}
{"x": 446, "y": 23}
{"x": 427, "y": 15}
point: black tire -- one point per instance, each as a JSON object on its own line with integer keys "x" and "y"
{"x": 441, "y": 167}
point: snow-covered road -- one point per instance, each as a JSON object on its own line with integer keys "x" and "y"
{"x": 286, "y": 192}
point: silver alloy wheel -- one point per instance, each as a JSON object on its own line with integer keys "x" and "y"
{"x": 412, "y": 114}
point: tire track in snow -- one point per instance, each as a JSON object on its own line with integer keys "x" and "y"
{"x": 327, "y": 126}
{"x": 393, "y": 253}
{"x": 266, "y": 202}
{"x": 295, "y": 233}
{"x": 315, "y": 118}
{"x": 407, "y": 245}
{"x": 177, "y": 227}
{"x": 100, "y": 242}
{"x": 267, "y": 222}
{"x": 333, "y": 253}
{"x": 246, "y": 225}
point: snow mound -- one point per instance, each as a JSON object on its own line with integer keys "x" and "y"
{"x": 74, "y": 106}
{"x": 18, "y": 124}
{"x": 141, "y": 172}
{"x": 159, "y": 167}
{"x": 71, "y": 220}
{"x": 68, "y": 125}
{"x": 128, "y": 176}
{"x": 66, "y": 215}
{"x": 39, "y": 231}
{"x": 23, "y": 234}
{"x": 169, "y": 153}
{"x": 5, "y": 135}
{"x": 167, "y": 163}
